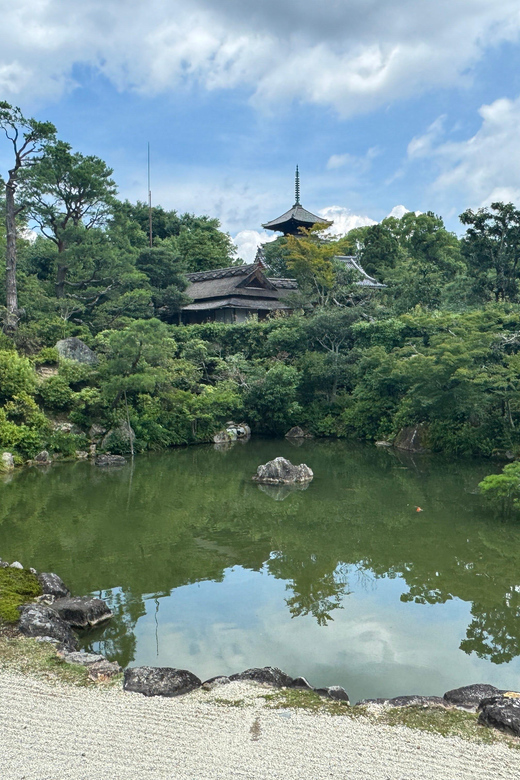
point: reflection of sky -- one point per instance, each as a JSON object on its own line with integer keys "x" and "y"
{"x": 375, "y": 646}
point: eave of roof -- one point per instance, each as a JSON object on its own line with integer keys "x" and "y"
{"x": 296, "y": 216}
{"x": 236, "y": 303}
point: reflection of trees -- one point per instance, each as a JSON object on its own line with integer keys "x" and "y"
{"x": 317, "y": 589}
{"x": 187, "y": 516}
{"x": 494, "y": 633}
{"x": 116, "y": 640}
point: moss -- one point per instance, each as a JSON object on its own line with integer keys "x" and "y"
{"x": 230, "y": 702}
{"x": 16, "y": 587}
{"x": 448, "y": 723}
{"x": 296, "y": 698}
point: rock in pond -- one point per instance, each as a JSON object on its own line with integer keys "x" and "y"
{"x": 502, "y": 712}
{"x": 268, "y": 675}
{"x": 6, "y": 462}
{"x": 298, "y": 433}
{"x": 16, "y": 565}
{"x": 159, "y": 681}
{"x": 120, "y": 438}
{"x": 73, "y": 348}
{"x": 52, "y": 585}
{"x": 282, "y": 472}
{"x": 82, "y": 611}
{"x": 43, "y": 458}
{"x": 110, "y": 460}
{"x": 39, "y": 621}
{"x": 469, "y": 696}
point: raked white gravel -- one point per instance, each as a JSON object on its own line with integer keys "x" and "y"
{"x": 58, "y": 732}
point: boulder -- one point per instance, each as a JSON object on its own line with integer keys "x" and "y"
{"x": 368, "y": 702}
{"x": 66, "y": 427}
{"x": 232, "y": 432}
{"x": 120, "y": 438}
{"x": 39, "y": 621}
{"x": 159, "y": 681}
{"x": 16, "y": 565}
{"x": 469, "y": 696}
{"x": 335, "y": 692}
{"x": 302, "y": 683}
{"x": 214, "y": 682}
{"x": 81, "y": 454}
{"x": 96, "y": 432}
{"x": 75, "y": 349}
{"x": 223, "y": 437}
{"x": 281, "y": 472}
{"x": 53, "y": 585}
{"x": 82, "y": 611}
{"x": 269, "y": 675}
{"x": 99, "y": 668}
{"x": 501, "y": 712}
{"x": 43, "y": 458}
{"x": 6, "y": 462}
{"x": 412, "y": 439}
{"x": 298, "y": 433}
{"x": 110, "y": 460}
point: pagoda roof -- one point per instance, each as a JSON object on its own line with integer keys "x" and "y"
{"x": 295, "y": 218}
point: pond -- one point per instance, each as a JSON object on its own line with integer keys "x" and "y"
{"x": 345, "y": 582}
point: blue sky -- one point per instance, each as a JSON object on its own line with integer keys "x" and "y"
{"x": 380, "y": 104}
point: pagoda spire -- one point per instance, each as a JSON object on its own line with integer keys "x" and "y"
{"x": 297, "y": 187}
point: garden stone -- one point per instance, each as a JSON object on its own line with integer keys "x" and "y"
{"x": 119, "y": 438}
{"x": 223, "y": 437}
{"x": 82, "y": 611}
{"x": 159, "y": 681}
{"x": 52, "y": 585}
{"x": 213, "y": 682}
{"x": 335, "y": 692}
{"x": 7, "y": 462}
{"x": 37, "y": 620}
{"x": 368, "y": 702}
{"x": 269, "y": 675}
{"x": 98, "y": 666}
{"x": 75, "y": 349}
{"x": 43, "y": 458}
{"x": 81, "y": 454}
{"x": 501, "y": 712}
{"x": 302, "y": 683}
{"x": 469, "y": 696}
{"x": 16, "y": 565}
{"x": 110, "y": 460}
{"x": 96, "y": 432}
{"x": 282, "y": 471}
{"x": 298, "y": 433}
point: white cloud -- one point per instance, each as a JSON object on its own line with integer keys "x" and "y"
{"x": 353, "y": 56}
{"x": 248, "y": 241}
{"x": 484, "y": 167}
{"x": 344, "y": 220}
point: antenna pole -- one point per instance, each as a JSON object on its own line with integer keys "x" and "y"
{"x": 149, "y": 199}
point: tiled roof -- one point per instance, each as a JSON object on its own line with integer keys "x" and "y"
{"x": 296, "y": 214}
{"x": 237, "y": 303}
{"x": 366, "y": 281}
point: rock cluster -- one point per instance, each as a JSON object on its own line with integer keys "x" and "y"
{"x": 298, "y": 433}
{"x": 232, "y": 432}
{"x": 282, "y": 472}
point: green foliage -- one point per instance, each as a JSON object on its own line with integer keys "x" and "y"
{"x": 503, "y": 489}
{"x": 16, "y": 587}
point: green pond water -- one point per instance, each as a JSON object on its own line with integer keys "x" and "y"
{"x": 344, "y": 582}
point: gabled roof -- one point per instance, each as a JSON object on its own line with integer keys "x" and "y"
{"x": 295, "y": 218}
{"x": 366, "y": 281}
{"x": 242, "y": 281}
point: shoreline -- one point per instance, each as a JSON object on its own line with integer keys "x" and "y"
{"x": 52, "y": 729}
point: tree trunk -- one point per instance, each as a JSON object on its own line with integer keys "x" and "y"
{"x": 10, "y": 260}
{"x": 61, "y": 275}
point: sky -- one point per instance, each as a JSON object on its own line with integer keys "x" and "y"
{"x": 381, "y": 104}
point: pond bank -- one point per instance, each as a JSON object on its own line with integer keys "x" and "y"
{"x": 52, "y": 729}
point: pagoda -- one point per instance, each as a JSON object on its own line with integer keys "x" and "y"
{"x": 297, "y": 217}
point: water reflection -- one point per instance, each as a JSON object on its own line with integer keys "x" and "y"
{"x": 167, "y": 541}
{"x": 281, "y": 492}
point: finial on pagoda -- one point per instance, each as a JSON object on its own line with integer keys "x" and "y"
{"x": 297, "y": 187}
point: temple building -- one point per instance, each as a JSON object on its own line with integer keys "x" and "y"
{"x": 234, "y": 294}
{"x": 297, "y": 217}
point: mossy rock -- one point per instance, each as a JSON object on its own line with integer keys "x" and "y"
{"x": 16, "y": 587}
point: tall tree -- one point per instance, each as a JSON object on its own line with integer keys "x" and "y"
{"x": 68, "y": 193}
{"x": 492, "y": 249}
{"x": 28, "y": 138}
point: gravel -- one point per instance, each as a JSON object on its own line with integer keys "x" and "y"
{"x": 59, "y": 732}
